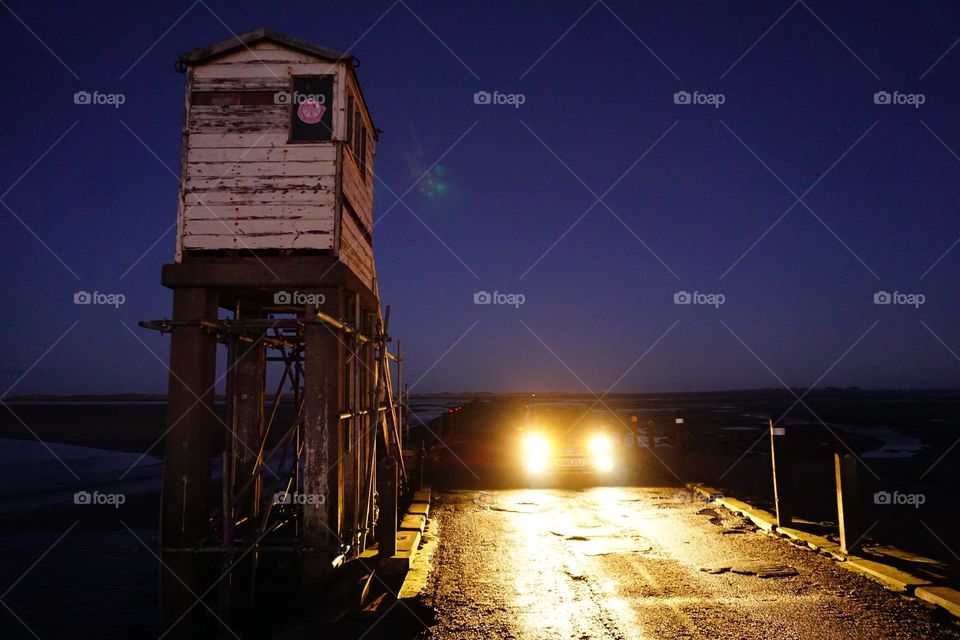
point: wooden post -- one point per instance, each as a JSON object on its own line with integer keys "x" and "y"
{"x": 421, "y": 463}
{"x": 400, "y": 403}
{"x": 651, "y": 435}
{"x": 350, "y": 428}
{"x": 406, "y": 411}
{"x": 849, "y": 515}
{"x": 188, "y": 448}
{"x": 323, "y": 446}
{"x": 247, "y": 420}
{"x": 679, "y": 444}
{"x": 387, "y": 524}
{"x": 780, "y": 464}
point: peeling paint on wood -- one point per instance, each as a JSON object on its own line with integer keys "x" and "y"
{"x": 244, "y": 185}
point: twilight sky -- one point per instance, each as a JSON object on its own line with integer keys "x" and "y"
{"x": 739, "y": 150}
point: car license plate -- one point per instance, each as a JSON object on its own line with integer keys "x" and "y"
{"x": 570, "y": 462}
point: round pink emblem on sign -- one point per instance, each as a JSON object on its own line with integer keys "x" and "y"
{"x": 311, "y": 111}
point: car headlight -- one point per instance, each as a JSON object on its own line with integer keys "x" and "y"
{"x": 600, "y": 444}
{"x": 535, "y": 448}
{"x": 536, "y": 445}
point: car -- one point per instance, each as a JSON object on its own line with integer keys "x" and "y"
{"x": 562, "y": 438}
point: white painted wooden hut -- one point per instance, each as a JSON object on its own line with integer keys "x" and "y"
{"x": 278, "y": 151}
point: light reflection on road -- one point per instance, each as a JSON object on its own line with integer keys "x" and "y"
{"x": 626, "y": 563}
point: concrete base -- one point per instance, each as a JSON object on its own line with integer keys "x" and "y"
{"x": 399, "y": 563}
{"x": 409, "y": 534}
{"x": 419, "y": 572}
{"x": 419, "y": 509}
{"x": 413, "y": 522}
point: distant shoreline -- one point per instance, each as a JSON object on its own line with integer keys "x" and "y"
{"x": 162, "y": 397}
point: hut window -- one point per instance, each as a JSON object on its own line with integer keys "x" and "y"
{"x": 351, "y": 106}
{"x": 311, "y": 109}
{"x": 357, "y": 135}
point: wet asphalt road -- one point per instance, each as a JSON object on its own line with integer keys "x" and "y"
{"x": 625, "y": 562}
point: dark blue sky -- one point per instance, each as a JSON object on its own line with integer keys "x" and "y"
{"x": 880, "y": 192}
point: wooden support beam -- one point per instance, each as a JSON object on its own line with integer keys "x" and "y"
{"x": 387, "y": 524}
{"x": 324, "y": 355}
{"x": 188, "y": 448}
{"x": 351, "y": 426}
{"x": 246, "y": 408}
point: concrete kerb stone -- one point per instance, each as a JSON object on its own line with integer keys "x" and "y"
{"x": 890, "y": 577}
{"x": 945, "y": 597}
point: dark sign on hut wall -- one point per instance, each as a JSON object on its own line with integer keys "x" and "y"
{"x": 311, "y": 109}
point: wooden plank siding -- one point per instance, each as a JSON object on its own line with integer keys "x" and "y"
{"x": 245, "y": 185}
{"x": 357, "y": 190}
{"x": 356, "y": 249}
{"x": 355, "y": 252}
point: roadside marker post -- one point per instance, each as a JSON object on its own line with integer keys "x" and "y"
{"x": 679, "y": 443}
{"x": 849, "y": 513}
{"x": 782, "y": 478}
